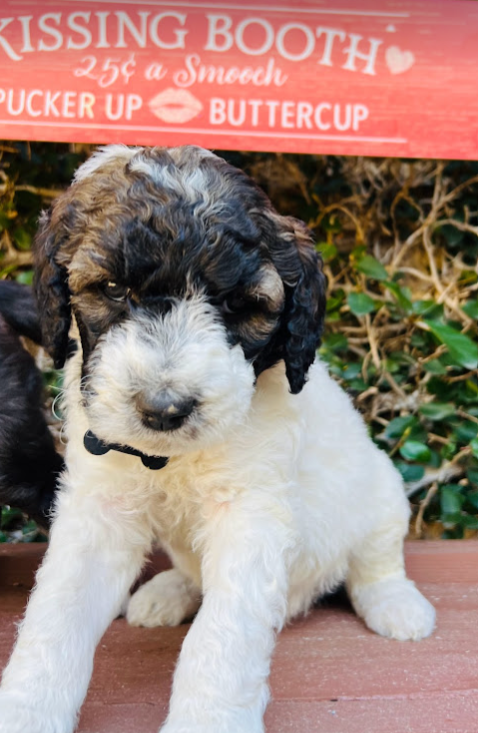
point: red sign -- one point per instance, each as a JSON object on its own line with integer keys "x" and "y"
{"x": 368, "y": 77}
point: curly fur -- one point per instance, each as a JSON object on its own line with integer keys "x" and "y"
{"x": 29, "y": 463}
{"x": 189, "y": 292}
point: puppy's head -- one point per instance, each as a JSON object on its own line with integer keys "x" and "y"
{"x": 185, "y": 285}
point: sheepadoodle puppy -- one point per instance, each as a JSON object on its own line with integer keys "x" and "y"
{"x": 197, "y": 418}
{"x": 29, "y": 463}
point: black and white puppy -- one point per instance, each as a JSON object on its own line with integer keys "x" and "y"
{"x": 197, "y": 417}
{"x": 29, "y": 463}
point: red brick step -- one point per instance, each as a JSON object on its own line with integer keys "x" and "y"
{"x": 329, "y": 673}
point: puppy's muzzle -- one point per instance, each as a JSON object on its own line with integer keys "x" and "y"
{"x": 162, "y": 412}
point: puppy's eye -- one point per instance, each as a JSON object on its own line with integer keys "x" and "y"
{"x": 115, "y": 291}
{"x": 234, "y": 304}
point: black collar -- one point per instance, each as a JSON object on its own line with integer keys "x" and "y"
{"x": 97, "y": 447}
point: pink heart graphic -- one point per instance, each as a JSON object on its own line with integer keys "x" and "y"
{"x": 399, "y": 61}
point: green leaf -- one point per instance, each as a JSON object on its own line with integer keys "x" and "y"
{"x": 410, "y": 472}
{"x": 358, "y": 385}
{"x": 453, "y": 534}
{"x": 23, "y": 239}
{"x": 472, "y": 498}
{"x": 470, "y": 522}
{"x": 451, "y": 500}
{"x": 463, "y": 350}
{"x": 471, "y": 394}
{"x": 25, "y": 277}
{"x": 428, "y": 308}
{"x": 435, "y": 459}
{"x": 474, "y": 447}
{"x": 332, "y": 223}
{"x": 328, "y": 251}
{"x": 471, "y": 309}
{"x": 403, "y": 358}
{"x": 336, "y": 342}
{"x": 468, "y": 277}
{"x": 448, "y": 451}
{"x": 5, "y": 220}
{"x": 450, "y": 520}
{"x": 472, "y": 475}
{"x": 443, "y": 390}
{"x": 372, "y": 268}
{"x": 401, "y": 296}
{"x": 398, "y": 425}
{"x": 29, "y": 528}
{"x": 358, "y": 252}
{"x": 392, "y": 366}
{"x": 434, "y": 366}
{"x": 360, "y": 304}
{"x": 9, "y": 515}
{"x": 419, "y": 340}
{"x": 452, "y": 234}
{"x": 466, "y": 431}
{"x": 335, "y": 301}
{"x": 351, "y": 371}
{"x": 413, "y": 450}
{"x": 437, "y": 410}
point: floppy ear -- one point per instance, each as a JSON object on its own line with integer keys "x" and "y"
{"x": 51, "y": 289}
{"x": 293, "y": 254}
{"x": 19, "y": 309}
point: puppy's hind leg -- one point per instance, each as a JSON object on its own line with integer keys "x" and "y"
{"x": 379, "y": 590}
{"x": 166, "y": 600}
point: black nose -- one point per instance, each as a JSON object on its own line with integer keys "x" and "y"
{"x": 163, "y": 413}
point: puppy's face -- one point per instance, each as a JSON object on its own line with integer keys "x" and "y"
{"x": 185, "y": 284}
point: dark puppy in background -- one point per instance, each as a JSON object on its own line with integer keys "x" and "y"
{"x": 29, "y": 463}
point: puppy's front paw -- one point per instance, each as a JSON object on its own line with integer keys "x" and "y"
{"x": 395, "y": 608}
{"x": 16, "y": 717}
{"x": 214, "y": 718}
{"x": 166, "y": 600}
{"x": 190, "y": 727}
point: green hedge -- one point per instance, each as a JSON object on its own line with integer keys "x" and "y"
{"x": 399, "y": 241}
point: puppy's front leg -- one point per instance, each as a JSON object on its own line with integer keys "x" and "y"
{"x": 220, "y": 684}
{"x": 94, "y": 555}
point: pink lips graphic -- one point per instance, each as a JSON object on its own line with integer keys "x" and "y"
{"x": 175, "y": 105}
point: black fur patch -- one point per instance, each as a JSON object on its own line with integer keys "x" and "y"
{"x": 18, "y": 307}
{"x": 29, "y": 463}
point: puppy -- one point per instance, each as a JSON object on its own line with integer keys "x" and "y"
{"x": 197, "y": 417}
{"x": 29, "y": 463}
